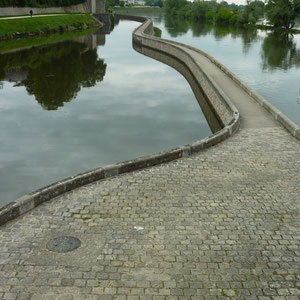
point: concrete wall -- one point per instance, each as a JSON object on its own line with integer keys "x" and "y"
{"x": 90, "y": 6}
{"x": 211, "y": 116}
{"x": 218, "y": 101}
{"x": 227, "y": 113}
{"x": 16, "y": 11}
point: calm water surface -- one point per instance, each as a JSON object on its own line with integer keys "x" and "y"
{"x": 76, "y": 105}
{"x": 268, "y": 62}
{"x": 69, "y": 107}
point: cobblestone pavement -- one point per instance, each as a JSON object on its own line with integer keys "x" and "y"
{"x": 221, "y": 224}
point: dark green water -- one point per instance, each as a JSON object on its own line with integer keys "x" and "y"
{"x": 76, "y": 105}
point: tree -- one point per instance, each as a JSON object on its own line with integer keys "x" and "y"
{"x": 173, "y": 7}
{"x": 282, "y": 13}
{"x": 223, "y": 16}
{"x": 279, "y": 50}
{"x": 55, "y": 73}
{"x": 251, "y": 12}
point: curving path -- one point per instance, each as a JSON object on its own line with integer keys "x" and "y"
{"x": 220, "y": 224}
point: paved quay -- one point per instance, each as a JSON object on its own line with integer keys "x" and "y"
{"x": 220, "y": 224}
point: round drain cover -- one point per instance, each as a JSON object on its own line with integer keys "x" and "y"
{"x": 63, "y": 244}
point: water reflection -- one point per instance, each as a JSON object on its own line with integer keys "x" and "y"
{"x": 248, "y": 36}
{"x": 212, "y": 119}
{"x": 55, "y": 73}
{"x": 176, "y": 26}
{"x": 140, "y": 108}
{"x": 279, "y": 51}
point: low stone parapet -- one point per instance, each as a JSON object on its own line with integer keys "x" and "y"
{"x": 218, "y": 101}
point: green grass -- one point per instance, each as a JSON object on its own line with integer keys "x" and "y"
{"x": 11, "y": 27}
{"x": 40, "y": 40}
{"x": 157, "y": 31}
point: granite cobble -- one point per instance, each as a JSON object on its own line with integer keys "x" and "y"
{"x": 221, "y": 224}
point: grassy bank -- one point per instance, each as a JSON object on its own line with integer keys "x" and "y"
{"x": 39, "y": 25}
{"x": 39, "y": 40}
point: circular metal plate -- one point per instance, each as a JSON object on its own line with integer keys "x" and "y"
{"x": 63, "y": 244}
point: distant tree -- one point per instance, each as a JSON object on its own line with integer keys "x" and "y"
{"x": 282, "y": 13}
{"x": 209, "y": 16}
{"x": 223, "y": 16}
{"x": 279, "y": 50}
{"x": 199, "y": 11}
{"x": 158, "y": 3}
{"x": 251, "y": 12}
{"x": 84, "y": 69}
{"x": 172, "y": 7}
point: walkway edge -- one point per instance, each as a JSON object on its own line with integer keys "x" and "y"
{"x": 288, "y": 124}
{"x": 32, "y": 200}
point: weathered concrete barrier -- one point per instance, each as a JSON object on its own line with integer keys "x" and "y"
{"x": 140, "y": 35}
{"x": 19, "y": 11}
{"x": 218, "y": 101}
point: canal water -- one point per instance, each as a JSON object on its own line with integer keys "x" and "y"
{"x": 267, "y": 62}
{"x": 79, "y": 104}
{"x": 72, "y": 106}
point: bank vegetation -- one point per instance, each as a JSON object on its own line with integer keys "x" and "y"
{"x": 278, "y": 13}
{"x": 20, "y": 27}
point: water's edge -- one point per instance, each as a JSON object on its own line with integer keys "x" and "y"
{"x": 221, "y": 104}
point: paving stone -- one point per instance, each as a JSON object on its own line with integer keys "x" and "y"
{"x": 222, "y": 223}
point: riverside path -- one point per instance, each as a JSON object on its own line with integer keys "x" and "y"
{"x": 220, "y": 224}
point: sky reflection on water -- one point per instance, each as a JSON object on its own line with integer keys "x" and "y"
{"x": 138, "y": 107}
{"x": 268, "y": 62}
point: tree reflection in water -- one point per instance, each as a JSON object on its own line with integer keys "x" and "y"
{"x": 176, "y": 26}
{"x": 279, "y": 50}
{"x": 54, "y": 74}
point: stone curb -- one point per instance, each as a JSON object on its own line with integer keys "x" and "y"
{"x": 32, "y": 200}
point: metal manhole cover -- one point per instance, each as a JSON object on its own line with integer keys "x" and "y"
{"x": 63, "y": 244}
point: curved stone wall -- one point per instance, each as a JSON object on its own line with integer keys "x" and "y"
{"x": 141, "y": 37}
{"x": 225, "y": 111}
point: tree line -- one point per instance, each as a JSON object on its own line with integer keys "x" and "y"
{"x": 39, "y": 3}
{"x": 220, "y": 13}
{"x": 279, "y": 13}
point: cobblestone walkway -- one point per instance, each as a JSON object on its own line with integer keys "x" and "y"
{"x": 222, "y": 224}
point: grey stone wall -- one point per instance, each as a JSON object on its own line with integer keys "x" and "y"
{"x": 17, "y": 11}
{"x": 229, "y": 116}
{"x": 222, "y": 106}
{"x": 90, "y": 6}
{"x": 218, "y": 100}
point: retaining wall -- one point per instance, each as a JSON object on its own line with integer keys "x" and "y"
{"x": 225, "y": 110}
{"x": 18, "y": 11}
{"x": 140, "y": 37}
{"x": 227, "y": 113}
